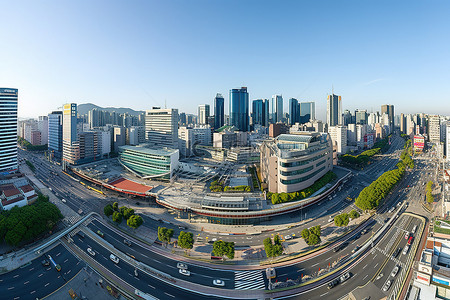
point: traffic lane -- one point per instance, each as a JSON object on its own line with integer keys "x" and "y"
{"x": 35, "y": 280}
{"x": 361, "y": 274}
{"x": 324, "y": 260}
{"x": 143, "y": 282}
{"x": 165, "y": 264}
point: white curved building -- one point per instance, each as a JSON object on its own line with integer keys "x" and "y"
{"x": 293, "y": 162}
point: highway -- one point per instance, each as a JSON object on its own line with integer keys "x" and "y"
{"x": 34, "y": 280}
{"x": 143, "y": 282}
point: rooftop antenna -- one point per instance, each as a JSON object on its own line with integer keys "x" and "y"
{"x": 165, "y": 103}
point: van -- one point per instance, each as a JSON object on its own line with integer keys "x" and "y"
{"x": 414, "y": 229}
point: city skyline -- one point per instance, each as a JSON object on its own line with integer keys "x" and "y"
{"x": 160, "y": 53}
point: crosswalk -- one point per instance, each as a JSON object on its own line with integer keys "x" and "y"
{"x": 249, "y": 280}
{"x": 74, "y": 219}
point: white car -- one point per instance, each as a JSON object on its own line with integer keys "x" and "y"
{"x": 387, "y": 285}
{"x": 405, "y": 250}
{"x": 181, "y": 266}
{"x": 90, "y": 251}
{"x": 395, "y": 271}
{"x": 63, "y": 200}
{"x": 114, "y": 258}
{"x": 288, "y": 237}
{"x": 218, "y": 282}
{"x": 184, "y": 272}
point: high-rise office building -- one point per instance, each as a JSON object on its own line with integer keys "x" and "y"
{"x": 361, "y": 117}
{"x": 402, "y": 123}
{"x": 219, "y": 111}
{"x": 239, "y": 109}
{"x": 307, "y": 112}
{"x": 447, "y": 143}
{"x": 277, "y": 101}
{"x": 55, "y": 129}
{"x": 334, "y": 110}
{"x": 8, "y": 132}
{"x": 161, "y": 127}
{"x": 294, "y": 111}
{"x": 203, "y": 114}
{"x": 389, "y": 110}
{"x": 71, "y": 147}
{"x": 434, "y": 129}
{"x": 260, "y": 112}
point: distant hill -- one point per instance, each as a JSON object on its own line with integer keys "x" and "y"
{"x": 86, "y": 107}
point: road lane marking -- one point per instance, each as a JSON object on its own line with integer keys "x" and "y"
{"x": 169, "y": 295}
{"x": 26, "y": 282}
{"x": 151, "y": 286}
{"x": 315, "y": 265}
{"x": 364, "y": 266}
{"x": 323, "y": 294}
{"x": 15, "y": 276}
{"x": 31, "y": 269}
{"x": 40, "y": 275}
{"x": 365, "y": 277}
{"x": 47, "y": 284}
{"x": 375, "y": 266}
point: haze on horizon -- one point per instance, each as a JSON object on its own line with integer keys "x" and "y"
{"x": 147, "y": 53}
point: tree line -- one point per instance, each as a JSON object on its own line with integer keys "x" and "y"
{"x": 363, "y": 158}
{"x": 123, "y": 212}
{"x": 23, "y": 224}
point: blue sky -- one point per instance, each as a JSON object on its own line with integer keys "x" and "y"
{"x": 141, "y": 54}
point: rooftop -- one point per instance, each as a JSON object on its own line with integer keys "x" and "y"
{"x": 26, "y": 188}
{"x": 146, "y": 148}
{"x": 130, "y": 185}
{"x": 8, "y": 202}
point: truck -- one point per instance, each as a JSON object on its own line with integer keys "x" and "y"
{"x": 55, "y": 265}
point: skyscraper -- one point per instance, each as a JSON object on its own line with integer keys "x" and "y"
{"x": 8, "y": 132}
{"x": 219, "y": 111}
{"x": 55, "y": 130}
{"x": 334, "y": 110}
{"x": 361, "y": 116}
{"x": 71, "y": 149}
{"x": 260, "y": 112}
{"x": 203, "y": 114}
{"x": 294, "y": 111}
{"x": 434, "y": 129}
{"x": 389, "y": 110}
{"x": 402, "y": 123}
{"x": 161, "y": 127}
{"x": 239, "y": 108}
{"x": 277, "y": 100}
{"x": 447, "y": 143}
{"x": 307, "y": 112}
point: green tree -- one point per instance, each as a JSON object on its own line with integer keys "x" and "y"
{"x": 115, "y": 206}
{"x": 354, "y": 214}
{"x": 305, "y": 234}
{"x": 316, "y": 230}
{"x": 268, "y": 246}
{"x": 165, "y": 234}
{"x": 430, "y": 198}
{"x": 128, "y": 213}
{"x": 108, "y": 210}
{"x": 313, "y": 239}
{"x": 221, "y": 248}
{"x": 135, "y": 221}
{"x": 117, "y": 217}
{"x": 186, "y": 240}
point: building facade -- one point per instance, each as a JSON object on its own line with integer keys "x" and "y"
{"x": 389, "y": 110}
{"x": 55, "y": 130}
{"x": 277, "y": 103}
{"x": 161, "y": 127}
{"x": 338, "y": 135}
{"x": 8, "y": 132}
{"x": 239, "y": 109}
{"x": 147, "y": 162}
{"x": 219, "y": 111}
{"x": 434, "y": 129}
{"x": 292, "y": 162}
{"x": 334, "y": 110}
{"x": 71, "y": 149}
{"x": 307, "y": 112}
{"x": 203, "y": 114}
{"x": 260, "y": 112}
{"x": 294, "y": 111}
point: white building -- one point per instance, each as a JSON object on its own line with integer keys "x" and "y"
{"x": 338, "y": 136}
{"x": 42, "y": 126}
{"x": 135, "y": 135}
{"x": 447, "y": 143}
{"x": 161, "y": 127}
{"x": 105, "y": 140}
{"x": 185, "y": 141}
{"x": 434, "y": 129}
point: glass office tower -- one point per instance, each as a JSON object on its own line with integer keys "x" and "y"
{"x": 239, "y": 112}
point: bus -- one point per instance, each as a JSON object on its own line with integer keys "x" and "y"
{"x": 57, "y": 267}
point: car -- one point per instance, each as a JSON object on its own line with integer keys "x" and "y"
{"x": 58, "y": 268}
{"x": 45, "y": 263}
{"x": 333, "y": 283}
{"x": 405, "y": 250}
{"x": 396, "y": 252}
{"x": 340, "y": 247}
{"x": 395, "y": 271}
{"x": 184, "y": 272}
{"x": 387, "y": 285}
{"x": 182, "y": 227}
{"x": 213, "y": 239}
{"x": 219, "y": 282}
{"x": 414, "y": 229}
{"x": 288, "y": 237}
{"x": 63, "y": 200}
{"x": 182, "y": 266}
{"x": 127, "y": 242}
{"x": 406, "y": 235}
{"x": 114, "y": 258}
{"x": 90, "y": 251}
{"x": 357, "y": 236}
{"x": 364, "y": 231}
{"x": 100, "y": 233}
{"x": 50, "y": 189}
{"x": 356, "y": 248}
{"x": 344, "y": 277}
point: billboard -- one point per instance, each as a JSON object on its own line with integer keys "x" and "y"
{"x": 419, "y": 142}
